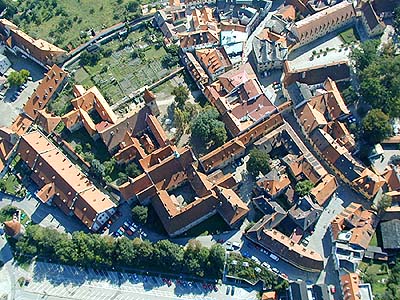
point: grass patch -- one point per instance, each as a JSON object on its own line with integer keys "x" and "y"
{"x": 349, "y": 36}
{"x": 213, "y": 225}
{"x": 376, "y": 274}
{"x": 7, "y": 212}
{"x": 63, "y": 24}
{"x": 11, "y": 185}
{"x": 122, "y": 73}
{"x": 81, "y": 137}
{"x": 374, "y": 240}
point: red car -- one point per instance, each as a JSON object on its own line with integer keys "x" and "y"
{"x": 333, "y": 289}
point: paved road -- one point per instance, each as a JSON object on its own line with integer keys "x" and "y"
{"x": 51, "y": 281}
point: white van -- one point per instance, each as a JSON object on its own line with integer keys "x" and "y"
{"x": 274, "y": 257}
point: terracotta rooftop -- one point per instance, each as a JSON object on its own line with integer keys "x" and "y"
{"x": 12, "y": 228}
{"x": 46, "y": 53}
{"x": 133, "y": 123}
{"x": 45, "y": 91}
{"x": 324, "y": 189}
{"x": 47, "y": 121}
{"x": 285, "y": 248}
{"x": 157, "y": 130}
{"x": 214, "y": 59}
{"x": 349, "y": 283}
{"x": 72, "y": 189}
{"x": 369, "y": 182}
{"x": 357, "y": 220}
{"x": 327, "y": 16}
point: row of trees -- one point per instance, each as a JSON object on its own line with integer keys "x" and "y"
{"x": 96, "y": 251}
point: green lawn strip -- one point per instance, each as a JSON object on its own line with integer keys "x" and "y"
{"x": 213, "y": 225}
{"x": 349, "y": 36}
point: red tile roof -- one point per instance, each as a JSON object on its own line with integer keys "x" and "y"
{"x": 50, "y": 83}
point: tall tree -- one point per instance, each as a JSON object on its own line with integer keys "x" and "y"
{"x": 376, "y": 126}
{"x": 258, "y": 162}
{"x": 181, "y": 94}
{"x": 303, "y": 188}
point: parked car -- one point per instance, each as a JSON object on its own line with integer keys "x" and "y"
{"x": 274, "y": 257}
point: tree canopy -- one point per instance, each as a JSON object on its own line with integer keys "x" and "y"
{"x": 303, "y": 188}
{"x": 140, "y": 214}
{"x": 181, "y": 94}
{"x": 376, "y": 126}
{"x": 258, "y": 162}
{"x": 208, "y": 129}
{"x": 17, "y": 78}
{"x": 97, "y": 251}
{"x": 379, "y": 75}
{"x": 89, "y": 58}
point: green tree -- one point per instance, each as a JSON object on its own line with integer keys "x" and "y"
{"x": 89, "y": 58}
{"x": 258, "y": 162}
{"x": 396, "y": 20}
{"x": 132, "y": 6}
{"x": 376, "y": 126}
{"x": 181, "y": 94}
{"x": 109, "y": 166}
{"x": 132, "y": 170}
{"x": 168, "y": 255}
{"x": 303, "y": 188}
{"x": 365, "y": 54}
{"x": 384, "y": 202}
{"x": 216, "y": 261}
{"x": 97, "y": 169}
{"x": 18, "y": 78}
{"x": 170, "y": 60}
{"x": 140, "y": 214}
{"x": 207, "y": 128}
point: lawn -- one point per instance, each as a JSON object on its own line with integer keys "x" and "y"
{"x": 120, "y": 74}
{"x": 376, "y": 274}
{"x": 82, "y": 138}
{"x": 10, "y": 185}
{"x": 213, "y": 225}
{"x": 66, "y": 23}
{"x": 349, "y": 36}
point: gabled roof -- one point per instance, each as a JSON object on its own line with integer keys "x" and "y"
{"x": 369, "y": 182}
{"x": 157, "y": 130}
{"x": 214, "y": 59}
{"x": 357, "y": 220}
{"x": 349, "y": 283}
{"x": 327, "y": 16}
{"x": 390, "y": 231}
{"x": 72, "y": 190}
{"x": 324, "y": 189}
{"x": 45, "y": 90}
{"x": 47, "y": 121}
{"x": 372, "y": 19}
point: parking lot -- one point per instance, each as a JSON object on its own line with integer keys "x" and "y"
{"x": 11, "y": 106}
{"x": 66, "y": 282}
